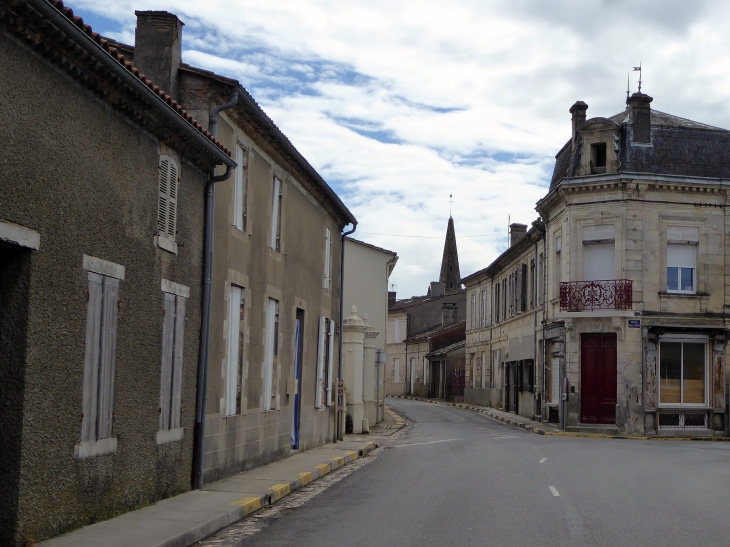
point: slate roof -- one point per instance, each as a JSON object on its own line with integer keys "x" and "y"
{"x": 679, "y": 147}
{"x": 416, "y": 300}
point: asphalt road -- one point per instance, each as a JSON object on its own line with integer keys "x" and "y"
{"x": 459, "y": 478}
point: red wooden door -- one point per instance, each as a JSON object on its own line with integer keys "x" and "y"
{"x": 598, "y": 378}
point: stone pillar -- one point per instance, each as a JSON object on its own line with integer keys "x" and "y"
{"x": 368, "y": 372}
{"x": 353, "y": 341}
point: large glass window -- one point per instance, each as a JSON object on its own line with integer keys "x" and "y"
{"x": 681, "y": 268}
{"x": 682, "y": 373}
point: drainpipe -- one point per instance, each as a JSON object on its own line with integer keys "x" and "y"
{"x": 339, "y": 435}
{"x": 205, "y": 320}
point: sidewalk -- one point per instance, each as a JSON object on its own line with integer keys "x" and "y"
{"x": 185, "y": 519}
{"x": 544, "y": 428}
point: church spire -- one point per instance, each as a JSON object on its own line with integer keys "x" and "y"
{"x": 450, "y": 275}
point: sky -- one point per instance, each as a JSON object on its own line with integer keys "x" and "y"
{"x": 400, "y": 105}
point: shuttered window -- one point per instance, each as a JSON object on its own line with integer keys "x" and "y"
{"x": 167, "y": 198}
{"x": 321, "y": 349}
{"x": 681, "y": 268}
{"x": 275, "y": 242}
{"x": 396, "y": 370}
{"x": 99, "y": 357}
{"x": 330, "y": 360}
{"x": 240, "y": 210}
{"x": 327, "y": 283}
{"x": 474, "y": 311}
{"x": 272, "y": 351}
{"x": 234, "y": 371}
{"x": 173, "y": 343}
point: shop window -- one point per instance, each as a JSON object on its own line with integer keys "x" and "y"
{"x": 682, "y": 372}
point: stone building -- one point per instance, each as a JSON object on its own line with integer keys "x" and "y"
{"x": 411, "y": 321}
{"x": 101, "y": 249}
{"x": 276, "y": 285}
{"x": 635, "y": 294}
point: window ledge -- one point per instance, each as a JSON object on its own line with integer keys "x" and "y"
{"x": 169, "y": 435}
{"x": 679, "y": 408}
{"x": 685, "y": 294}
{"x": 166, "y": 244}
{"x": 87, "y": 449}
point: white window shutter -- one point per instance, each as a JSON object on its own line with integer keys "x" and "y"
{"x": 330, "y": 360}
{"x": 177, "y": 363}
{"x": 168, "y": 341}
{"x": 327, "y": 255}
{"x": 320, "y": 363}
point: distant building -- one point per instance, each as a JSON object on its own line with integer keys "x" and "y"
{"x": 412, "y": 367}
{"x": 630, "y": 321}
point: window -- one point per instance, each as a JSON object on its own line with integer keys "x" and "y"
{"x": 558, "y": 263}
{"x": 276, "y": 216}
{"x": 540, "y": 278}
{"x": 598, "y": 157}
{"x": 425, "y": 370}
{"x": 167, "y": 202}
{"x": 396, "y": 371}
{"x": 484, "y": 370}
{"x": 234, "y": 373}
{"x": 599, "y": 261}
{"x": 532, "y": 284}
{"x": 327, "y": 284}
{"x": 240, "y": 211}
{"x": 325, "y": 362}
{"x": 99, "y": 357}
{"x": 681, "y": 268}
{"x": 484, "y": 309}
{"x": 682, "y": 372}
{"x": 272, "y": 352}
{"x": 474, "y": 311}
{"x": 173, "y": 345}
{"x": 396, "y": 331}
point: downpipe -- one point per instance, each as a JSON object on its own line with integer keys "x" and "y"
{"x": 202, "y": 387}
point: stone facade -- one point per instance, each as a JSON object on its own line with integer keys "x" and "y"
{"x": 632, "y": 331}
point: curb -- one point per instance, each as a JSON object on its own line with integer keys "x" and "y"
{"x": 539, "y": 431}
{"x": 251, "y": 504}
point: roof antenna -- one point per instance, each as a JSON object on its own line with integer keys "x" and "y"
{"x": 639, "y": 69}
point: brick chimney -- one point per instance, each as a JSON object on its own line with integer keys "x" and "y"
{"x": 516, "y": 232}
{"x": 578, "y": 110}
{"x": 158, "y": 48}
{"x": 640, "y": 115}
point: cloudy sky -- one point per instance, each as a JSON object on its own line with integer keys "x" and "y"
{"x": 400, "y": 104}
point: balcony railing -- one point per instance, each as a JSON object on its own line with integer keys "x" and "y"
{"x": 611, "y": 294}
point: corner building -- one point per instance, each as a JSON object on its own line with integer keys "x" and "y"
{"x": 635, "y": 289}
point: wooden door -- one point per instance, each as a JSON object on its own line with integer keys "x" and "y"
{"x": 598, "y": 378}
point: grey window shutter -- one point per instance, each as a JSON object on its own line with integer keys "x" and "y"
{"x": 107, "y": 356}
{"x": 168, "y": 339}
{"x": 523, "y": 287}
{"x": 518, "y": 289}
{"x": 177, "y": 363}
{"x": 91, "y": 358}
{"x": 167, "y": 198}
{"x": 172, "y": 205}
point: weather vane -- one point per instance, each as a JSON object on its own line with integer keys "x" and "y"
{"x": 639, "y": 69}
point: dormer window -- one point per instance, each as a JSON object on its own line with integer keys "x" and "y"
{"x": 598, "y": 158}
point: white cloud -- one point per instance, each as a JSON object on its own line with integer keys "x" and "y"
{"x": 399, "y": 104}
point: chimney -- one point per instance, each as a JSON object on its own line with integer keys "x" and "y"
{"x": 516, "y": 232}
{"x": 578, "y": 110}
{"x": 158, "y": 48}
{"x": 437, "y": 289}
{"x": 448, "y": 314}
{"x": 391, "y": 297}
{"x": 640, "y": 115}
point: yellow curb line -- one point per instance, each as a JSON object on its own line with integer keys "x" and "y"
{"x": 249, "y": 504}
{"x": 306, "y": 478}
{"x": 281, "y": 490}
{"x": 323, "y": 469}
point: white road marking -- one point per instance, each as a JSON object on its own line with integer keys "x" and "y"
{"x": 430, "y": 442}
{"x": 543, "y": 460}
{"x": 506, "y": 437}
{"x": 554, "y": 491}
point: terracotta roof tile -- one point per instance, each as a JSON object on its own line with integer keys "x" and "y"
{"x": 79, "y": 22}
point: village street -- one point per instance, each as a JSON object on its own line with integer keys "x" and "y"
{"x": 458, "y": 478}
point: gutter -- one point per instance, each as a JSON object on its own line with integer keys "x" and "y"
{"x": 204, "y": 351}
{"x": 339, "y": 435}
{"x": 59, "y": 20}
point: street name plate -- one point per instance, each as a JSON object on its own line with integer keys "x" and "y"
{"x": 634, "y": 323}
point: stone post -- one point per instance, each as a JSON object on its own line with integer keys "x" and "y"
{"x": 353, "y": 341}
{"x": 368, "y": 370}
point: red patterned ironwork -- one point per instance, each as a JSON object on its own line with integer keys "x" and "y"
{"x": 612, "y": 294}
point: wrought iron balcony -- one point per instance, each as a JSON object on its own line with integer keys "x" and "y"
{"x": 611, "y": 294}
